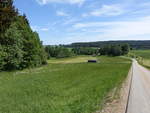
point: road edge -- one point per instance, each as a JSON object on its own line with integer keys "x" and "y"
{"x": 120, "y": 105}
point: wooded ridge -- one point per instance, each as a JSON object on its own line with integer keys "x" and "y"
{"x": 135, "y": 44}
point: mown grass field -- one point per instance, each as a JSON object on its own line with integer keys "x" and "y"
{"x": 143, "y": 57}
{"x": 62, "y": 87}
{"x": 77, "y": 59}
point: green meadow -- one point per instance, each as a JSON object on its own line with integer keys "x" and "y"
{"x": 142, "y": 53}
{"x": 143, "y": 57}
{"x": 69, "y": 85}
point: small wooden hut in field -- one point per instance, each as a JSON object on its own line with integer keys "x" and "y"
{"x": 92, "y": 61}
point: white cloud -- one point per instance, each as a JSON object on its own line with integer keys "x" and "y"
{"x": 139, "y": 29}
{"x": 34, "y": 28}
{"x": 145, "y": 4}
{"x": 37, "y": 28}
{"x": 106, "y": 10}
{"x": 93, "y": 24}
{"x": 85, "y": 15}
{"x": 44, "y": 29}
{"x": 61, "y": 13}
{"x": 43, "y": 2}
{"x": 131, "y": 28}
{"x": 126, "y": 25}
{"x": 119, "y": 29}
{"x": 71, "y": 20}
{"x": 140, "y": 9}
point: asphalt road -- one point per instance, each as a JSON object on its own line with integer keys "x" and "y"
{"x": 139, "y": 98}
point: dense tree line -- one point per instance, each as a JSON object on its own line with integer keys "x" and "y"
{"x": 110, "y": 50}
{"x": 133, "y": 44}
{"x": 62, "y": 52}
{"x": 85, "y": 51}
{"x": 115, "y": 50}
{"x": 58, "y": 52}
{"x": 20, "y": 47}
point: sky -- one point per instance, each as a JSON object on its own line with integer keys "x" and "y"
{"x": 69, "y": 21}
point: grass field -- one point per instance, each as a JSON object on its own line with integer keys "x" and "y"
{"x": 78, "y": 59}
{"x": 143, "y": 57}
{"x": 62, "y": 87}
{"x": 142, "y": 53}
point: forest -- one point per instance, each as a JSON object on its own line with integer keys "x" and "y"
{"x": 20, "y": 47}
{"x": 109, "y": 50}
{"x": 134, "y": 44}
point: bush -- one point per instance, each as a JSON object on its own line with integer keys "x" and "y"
{"x": 85, "y": 51}
{"x": 58, "y": 52}
{"x": 115, "y": 50}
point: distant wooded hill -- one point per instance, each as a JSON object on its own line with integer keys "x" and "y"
{"x": 145, "y": 44}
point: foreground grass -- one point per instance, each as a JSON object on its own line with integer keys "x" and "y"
{"x": 143, "y": 57}
{"x": 61, "y": 87}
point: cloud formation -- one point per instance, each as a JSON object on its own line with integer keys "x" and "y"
{"x": 131, "y": 29}
{"x": 37, "y": 28}
{"x": 61, "y": 13}
{"x": 97, "y": 20}
{"x": 106, "y": 10}
{"x": 43, "y": 2}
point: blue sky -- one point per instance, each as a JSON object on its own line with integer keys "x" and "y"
{"x": 68, "y": 21}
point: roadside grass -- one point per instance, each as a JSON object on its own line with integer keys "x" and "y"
{"x": 111, "y": 60}
{"x": 62, "y": 87}
{"x": 143, "y": 57}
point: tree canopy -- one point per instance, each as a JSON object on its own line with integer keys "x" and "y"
{"x": 134, "y": 44}
{"x": 20, "y": 47}
{"x": 114, "y": 50}
{"x": 58, "y": 51}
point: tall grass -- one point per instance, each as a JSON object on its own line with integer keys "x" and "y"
{"x": 142, "y": 53}
{"x": 61, "y": 88}
{"x": 143, "y": 57}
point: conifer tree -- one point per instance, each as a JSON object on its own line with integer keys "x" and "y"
{"x": 20, "y": 47}
{"x": 7, "y": 16}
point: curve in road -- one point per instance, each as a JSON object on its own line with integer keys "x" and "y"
{"x": 139, "y": 98}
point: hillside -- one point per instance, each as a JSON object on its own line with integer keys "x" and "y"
{"x": 145, "y": 44}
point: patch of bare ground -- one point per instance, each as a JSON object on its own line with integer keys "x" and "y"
{"x": 116, "y": 100}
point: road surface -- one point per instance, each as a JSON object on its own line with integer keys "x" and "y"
{"x": 139, "y": 97}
